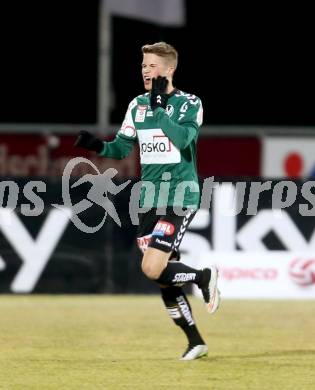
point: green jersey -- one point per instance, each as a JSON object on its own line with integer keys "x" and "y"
{"x": 167, "y": 143}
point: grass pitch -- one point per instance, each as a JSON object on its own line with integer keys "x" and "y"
{"x": 129, "y": 342}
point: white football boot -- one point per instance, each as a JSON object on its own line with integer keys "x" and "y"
{"x": 194, "y": 352}
{"x": 210, "y": 291}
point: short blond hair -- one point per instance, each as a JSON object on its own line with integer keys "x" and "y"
{"x": 162, "y": 49}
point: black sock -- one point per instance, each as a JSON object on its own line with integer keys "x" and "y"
{"x": 179, "y": 310}
{"x": 176, "y": 272}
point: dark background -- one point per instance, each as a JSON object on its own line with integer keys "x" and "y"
{"x": 249, "y": 66}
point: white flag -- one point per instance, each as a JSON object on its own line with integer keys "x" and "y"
{"x": 169, "y": 13}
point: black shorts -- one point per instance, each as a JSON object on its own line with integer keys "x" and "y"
{"x": 164, "y": 232}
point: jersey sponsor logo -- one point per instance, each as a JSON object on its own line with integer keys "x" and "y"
{"x": 163, "y": 228}
{"x": 160, "y": 144}
{"x": 140, "y": 113}
{"x": 169, "y": 110}
{"x": 156, "y": 147}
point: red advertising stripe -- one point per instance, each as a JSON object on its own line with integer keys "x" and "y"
{"x": 229, "y": 156}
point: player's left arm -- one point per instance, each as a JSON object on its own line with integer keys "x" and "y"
{"x": 185, "y": 129}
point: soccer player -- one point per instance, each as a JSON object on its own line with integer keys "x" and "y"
{"x": 165, "y": 122}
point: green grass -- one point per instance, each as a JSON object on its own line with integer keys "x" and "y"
{"x": 128, "y": 342}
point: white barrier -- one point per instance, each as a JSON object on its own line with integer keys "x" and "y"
{"x": 270, "y": 275}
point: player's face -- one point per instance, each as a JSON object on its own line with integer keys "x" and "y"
{"x": 152, "y": 67}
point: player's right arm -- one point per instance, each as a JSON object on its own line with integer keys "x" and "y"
{"x": 120, "y": 147}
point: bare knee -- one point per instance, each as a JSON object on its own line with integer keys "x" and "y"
{"x": 151, "y": 271}
{"x": 153, "y": 263}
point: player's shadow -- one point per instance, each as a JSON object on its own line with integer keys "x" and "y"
{"x": 210, "y": 358}
{"x": 297, "y": 352}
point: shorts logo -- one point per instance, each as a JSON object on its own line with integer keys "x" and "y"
{"x": 163, "y": 228}
{"x": 163, "y": 242}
